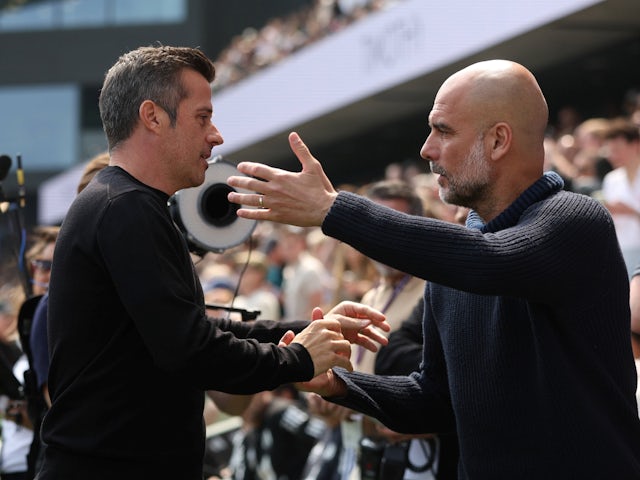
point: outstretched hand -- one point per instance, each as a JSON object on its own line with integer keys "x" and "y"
{"x": 295, "y": 198}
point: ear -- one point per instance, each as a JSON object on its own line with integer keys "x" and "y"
{"x": 150, "y": 115}
{"x": 500, "y": 136}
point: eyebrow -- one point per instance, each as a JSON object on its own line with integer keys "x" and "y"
{"x": 441, "y": 127}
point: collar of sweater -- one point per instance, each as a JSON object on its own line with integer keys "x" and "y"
{"x": 545, "y": 186}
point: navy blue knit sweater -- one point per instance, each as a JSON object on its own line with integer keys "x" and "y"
{"x": 527, "y": 345}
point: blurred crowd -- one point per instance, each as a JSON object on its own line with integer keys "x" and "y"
{"x": 257, "y": 48}
{"x": 283, "y": 272}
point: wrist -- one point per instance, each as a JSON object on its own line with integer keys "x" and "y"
{"x": 338, "y": 387}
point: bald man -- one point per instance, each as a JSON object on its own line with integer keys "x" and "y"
{"x": 526, "y": 324}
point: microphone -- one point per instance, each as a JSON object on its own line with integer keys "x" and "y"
{"x": 5, "y": 166}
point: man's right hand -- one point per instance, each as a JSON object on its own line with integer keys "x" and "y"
{"x": 297, "y": 198}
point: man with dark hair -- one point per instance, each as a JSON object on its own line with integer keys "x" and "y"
{"x": 131, "y": 348}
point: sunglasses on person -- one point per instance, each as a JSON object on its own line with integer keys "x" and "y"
{"x": 44, "y": 265}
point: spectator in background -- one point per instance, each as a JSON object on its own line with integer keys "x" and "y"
{"x": 589, "y": 159}
{"x": 396, "y": 292}
{"x": 16, "y": 427}
{"x": 621, "y": 187}
{"x": 306, "y": 281}
{"x": 254, "y": 292}
{"x": 352, "y": 272}
{"x": 40, "y": 256}
{"x": 558, "y": 156}
{"x": 274, "y": 256}
{"x": 255, "y": 49}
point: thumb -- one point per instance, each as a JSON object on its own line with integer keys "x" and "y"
{"x": 286, "y": 339}
{"x": 317, "y": 314}
{"x": 301, "y": 150}
{"x": 309, "y": 163}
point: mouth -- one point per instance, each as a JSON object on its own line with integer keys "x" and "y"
{"x": 440, "y": 173}
{"x": 442, "y": 177}
{"x": 436, "y": 169}
{"x": 205, "y": 158}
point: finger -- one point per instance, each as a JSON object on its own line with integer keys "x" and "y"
{"x": 329, "y": 324}
{"x": 256, "y": 173}
{"x": 317, "y": 314}
{"x": 344, "y": 362}
{"x": 342, "y": 348}
{"x": 309, "y": 162}
{"x": 301, "y": 151}
{"x": 375, "y": 335}
{"x": 383, "y": 325}
{"x": 287, "y": 338}
{"x": 253, "y": 213}
{"x": 376, "y": 316}
{"x": 245, "y": 183}
{"x": 349, "y": 323}
{"x": 364, "y": 342}
{"x": 253, "y": 199}
{"x": 358, "y": 310}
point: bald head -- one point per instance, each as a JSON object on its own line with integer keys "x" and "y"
{"x": 487, "y": 136}
{"x": 501, "y": 91}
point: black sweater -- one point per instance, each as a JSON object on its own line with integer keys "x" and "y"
{"x": 527, "y": 349}
{"x": 132, "y": 350}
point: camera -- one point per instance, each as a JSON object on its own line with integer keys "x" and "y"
{"x": 205, "y": 217}
{"x": 382, "y": 460}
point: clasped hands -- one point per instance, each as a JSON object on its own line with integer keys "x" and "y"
{"x": 329, "y": 337}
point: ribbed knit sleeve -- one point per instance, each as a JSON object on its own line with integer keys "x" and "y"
{"x": 394, "y": 400}
{"x": 485, "y": 260}
{"x": 526, "y": 335}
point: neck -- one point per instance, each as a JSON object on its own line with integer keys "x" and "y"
{"x": 136, "y": 166}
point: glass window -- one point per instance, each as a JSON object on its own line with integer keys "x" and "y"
{"x": 49, "y": 14}
{"x": 84, "y": 13}
{"x": 41, "y": 124}
{"x": 149, "y": 11}
{"x": 36, "y": 16}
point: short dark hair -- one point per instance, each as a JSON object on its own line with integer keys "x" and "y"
{"x": 623, "y": 128}
{"x": 147, "y": 73}
{"x": 396, "y": 189}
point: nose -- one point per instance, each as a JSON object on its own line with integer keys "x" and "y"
{"x": 214, "y": 137}
{"x": 428, "y": 152}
